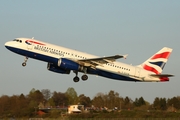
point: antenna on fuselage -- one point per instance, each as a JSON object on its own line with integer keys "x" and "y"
{"x": 32, "y": 37}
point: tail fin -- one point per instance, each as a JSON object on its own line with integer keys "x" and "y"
{"x": 157, "y": 62}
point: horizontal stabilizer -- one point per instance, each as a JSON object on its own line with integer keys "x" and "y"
{"x": 161, "y": 75}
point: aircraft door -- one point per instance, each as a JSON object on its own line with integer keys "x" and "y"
{"x": 137, "y": 72}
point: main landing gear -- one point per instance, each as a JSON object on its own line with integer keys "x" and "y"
{"x": 24, "y": 63}
{"x": 76, "y": 79}
{"x": 83, "y": 77}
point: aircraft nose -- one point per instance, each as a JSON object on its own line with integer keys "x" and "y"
{"x": 6, "y": 44}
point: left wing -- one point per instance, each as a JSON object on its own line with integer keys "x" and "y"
{"x": 93, "y": 62}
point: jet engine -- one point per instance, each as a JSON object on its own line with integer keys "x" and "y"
{"x": 55, "y": 68}
{"x": 64, "y": 66}
{"x": 69, "y": 65}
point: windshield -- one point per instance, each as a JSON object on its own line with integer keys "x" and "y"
{"x": 17, "y": 40}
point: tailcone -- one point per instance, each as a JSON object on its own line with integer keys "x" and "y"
{"x": 164, "y": 79}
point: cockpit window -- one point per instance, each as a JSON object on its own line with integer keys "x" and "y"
{"x": 17, "y": 40}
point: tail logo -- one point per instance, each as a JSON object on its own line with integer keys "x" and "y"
{"x": 164, "y": 55}
{"x": 157, "y": 62}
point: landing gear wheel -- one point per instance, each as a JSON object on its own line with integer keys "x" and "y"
{"x": 84, "y": 77}
{"x": 76, "y": 79}
{"x": 23, "y": 64}
{"x": 25, "y": 60}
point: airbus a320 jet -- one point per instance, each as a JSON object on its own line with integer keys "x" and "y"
{"x": 64, "y": 60}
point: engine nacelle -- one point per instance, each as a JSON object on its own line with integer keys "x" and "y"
{"x": 69, "y": 65}
{"x": 55, "y": 68}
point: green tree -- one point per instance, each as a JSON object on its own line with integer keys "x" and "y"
{"x": 109, "y": 100}
{"x": 23, "y": 103}
{"x": 84, "y": 100}
{"x": 51, "y": 102}
{"x": 98, "y": 100}
{"x": 128, "y": 103}
{"x": 34, "y": 98}
{"x": 4, "y": 105}
{"x": 162, "y": 103}
{"x": 156, "y": 103}
{"x": 174, "y": 102}
{"x": 136, "y": 102}
{"x": 141, "y": 101}
{"x": 113, "y": 99}
{"x": 72, "y": 96}
{"x": 59, "y": 99}
{"x": 46, "y": 93}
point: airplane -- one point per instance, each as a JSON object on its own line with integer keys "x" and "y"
{"x": 64, "y": 60}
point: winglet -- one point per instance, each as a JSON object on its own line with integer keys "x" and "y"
{"x": 125, "y": 56}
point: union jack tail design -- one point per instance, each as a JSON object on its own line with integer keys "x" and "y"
{"x": 157, "y": 62}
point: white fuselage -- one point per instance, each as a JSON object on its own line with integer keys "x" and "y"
{"x": 50, "y": 53}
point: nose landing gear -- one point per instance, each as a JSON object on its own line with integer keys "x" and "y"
{"x": 25, "y": 60}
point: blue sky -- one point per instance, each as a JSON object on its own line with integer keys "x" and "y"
{"x": 101, "y": 27}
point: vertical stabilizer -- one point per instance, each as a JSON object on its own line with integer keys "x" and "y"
{"x": 157, "y": 62}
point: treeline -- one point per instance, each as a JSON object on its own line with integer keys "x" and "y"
{"x": 27, "y": 105}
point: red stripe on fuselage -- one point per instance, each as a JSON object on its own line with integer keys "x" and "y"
{"x": 161, "y": 55}
{"x": 34, "y": 42}
{"x": 149, "y": 68}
